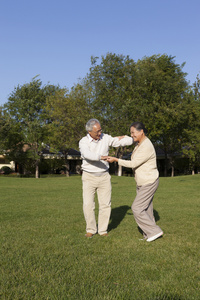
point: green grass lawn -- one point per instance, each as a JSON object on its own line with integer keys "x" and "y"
{"x": 45, "y": 255}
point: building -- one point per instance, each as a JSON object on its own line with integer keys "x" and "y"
{"x": 6, "y": 163}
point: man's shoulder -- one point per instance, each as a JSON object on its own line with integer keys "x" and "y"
{"x": 105, "y": 135}
{"x": 84, "y": 139}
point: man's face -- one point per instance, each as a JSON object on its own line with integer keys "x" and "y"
{"x": 96, "y": 131}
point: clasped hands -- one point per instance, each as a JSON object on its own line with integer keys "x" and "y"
{"x": 109, "y": 159}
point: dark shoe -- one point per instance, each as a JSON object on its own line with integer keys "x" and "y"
{"x": 89, "y": 235}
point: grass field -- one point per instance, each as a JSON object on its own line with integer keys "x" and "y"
{"x": 45, "y": 255}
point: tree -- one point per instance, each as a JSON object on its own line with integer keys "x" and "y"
{"x": 191, "y": 137}
{"x": 153, "y": 90}
{"x": 110, "y": 85}
{"x": 26, "y": 109}
{"x": 11, "y": 138}
{"x": 68, "y": 114}
{"x": 160, "y": 98}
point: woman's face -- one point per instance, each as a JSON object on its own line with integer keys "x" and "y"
{"x": 136, "y": 135}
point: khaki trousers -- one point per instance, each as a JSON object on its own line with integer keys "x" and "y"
{"x": 101, "y": 185}
{"x": 142, "y": 208}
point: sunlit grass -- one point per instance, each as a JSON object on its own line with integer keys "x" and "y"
{"x": 45, "y": 255}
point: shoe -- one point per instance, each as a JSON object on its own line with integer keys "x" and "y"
{"x": 105, "y": 234}
{"x": 155, "y": 237}
{"x": 89, "y": 234}
{"x": 143, "y": 239}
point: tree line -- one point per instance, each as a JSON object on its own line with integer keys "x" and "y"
{"x": 117, "y": 91}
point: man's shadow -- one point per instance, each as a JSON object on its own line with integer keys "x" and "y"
{"x": 117, "y": 215}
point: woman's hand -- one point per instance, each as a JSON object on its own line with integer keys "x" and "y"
{"x": 111, "y": 159}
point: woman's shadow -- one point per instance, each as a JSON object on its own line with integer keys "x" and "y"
{"x": 117, "y": 215}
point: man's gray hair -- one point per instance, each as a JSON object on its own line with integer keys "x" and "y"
{"x": 90, "y": 124}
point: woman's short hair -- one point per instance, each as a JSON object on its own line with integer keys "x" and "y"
{"x": 90, "y": 124}
{"x": 139, "y": 126}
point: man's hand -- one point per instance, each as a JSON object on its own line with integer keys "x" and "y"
{"x": 120, "y": 137}
{"x": 104, "y": 158}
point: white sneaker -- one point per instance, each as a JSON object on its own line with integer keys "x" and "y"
{"x": 155, "y": 237}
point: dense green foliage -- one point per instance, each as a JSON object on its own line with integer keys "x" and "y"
{"x": 110, "y": 86}
{"x": 191, "y": 136}
{"x": 45, "y": 255}
{"x": 117, "y": 91}
{"x": 152, "y": 90}
{"x": 68, "y": 114}
{"x": 26, "y": 111}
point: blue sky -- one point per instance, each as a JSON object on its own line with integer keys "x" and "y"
{"x": 56, "y": 39}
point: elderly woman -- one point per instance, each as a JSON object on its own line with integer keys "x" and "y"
{"x": 143, "y": 162}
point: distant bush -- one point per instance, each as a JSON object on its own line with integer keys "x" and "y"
{"x": 6, "y": 170}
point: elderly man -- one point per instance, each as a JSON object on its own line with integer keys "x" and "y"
{"x": 94, "y": 150}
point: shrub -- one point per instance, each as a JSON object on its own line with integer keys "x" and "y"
{"x": 6, "y": 170}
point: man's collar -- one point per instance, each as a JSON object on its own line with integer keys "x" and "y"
{"x": 91, "y": 139}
